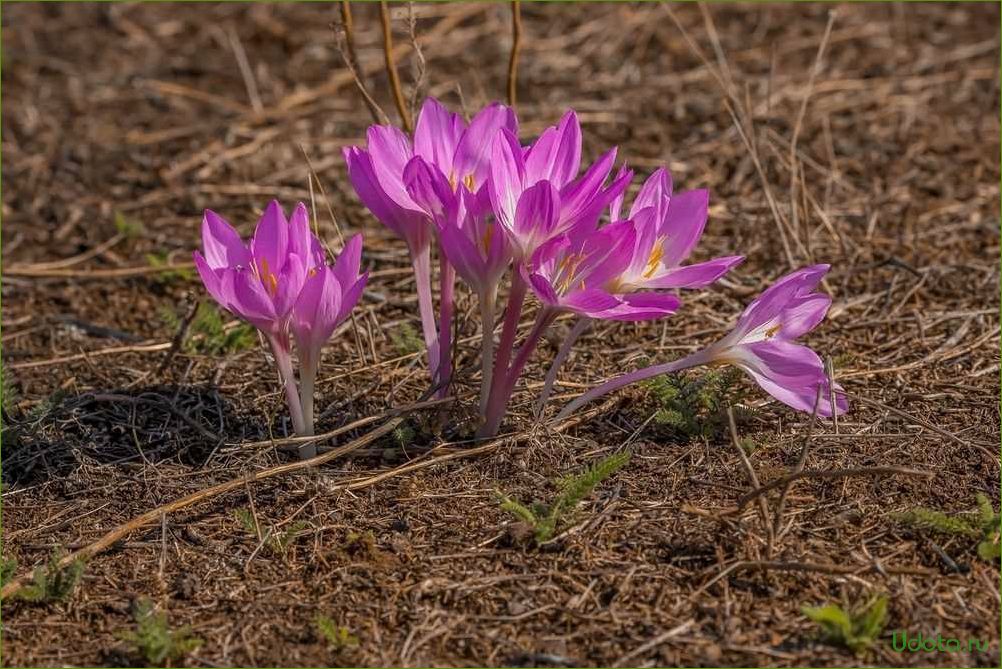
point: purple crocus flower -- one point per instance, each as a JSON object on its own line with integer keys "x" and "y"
{"x": 280, "y": 283}
{"x": 457, "y": 154}
{"x": 762, "y": 345}
{"x": 325, "y": 301}
{"x": 574, "y": 275}
{"x": 543, "y": 176}
{"x": 668, "y": 228}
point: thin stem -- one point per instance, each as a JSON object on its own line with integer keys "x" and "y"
{"x": 447, "y": 285}
{"x": 283, "y": 358}
{"x": 487, "y": 299}
{"x": 516, "y": 46}
{"x": 565, "y": 349}
{"x": 307, "y": 382}
{"x": 421, "y": 261}
{"x": 512, "y": 313}
{"x": 697, "y": 358}
{"x": 499, "y": 401}
{"x": 391, "y": 67}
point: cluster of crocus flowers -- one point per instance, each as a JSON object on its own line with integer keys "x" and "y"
{"x": 280, "y": 282}
{"x": 493, "y": 207}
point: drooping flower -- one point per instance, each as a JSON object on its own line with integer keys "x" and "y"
{"x": 668, "y": 225}
{"x": 762, "y": 344}
{"x": 281, "y": 284}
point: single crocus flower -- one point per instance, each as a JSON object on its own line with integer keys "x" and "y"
{"x": 668, "y": 225}
{"x": 325, "y": 301}
{"x": 550, "y": 164}
{"x": 272, "y": 283}
{"x": 574, "y": 275}
{"x": 762, "y": 344}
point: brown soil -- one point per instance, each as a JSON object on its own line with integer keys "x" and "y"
{"x": 141, "y": 112}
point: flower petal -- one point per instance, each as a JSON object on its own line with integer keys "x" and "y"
{"x": 300, "y": 237}
{"x": 791, "y": 373}
{"x": 656, "y": 193}
{"x": 683, "y": 224}
{"x": 768, "y": 306}
{"x": 556, "y": 154}
{"x": 348, "y": 262}
{"x": 437, "y": 133}
{"x": 315, "y": 314}
{"x": 697, "y": 275}
{"x": 222, "y": 244}
{"x": 410, "y": 225}
{"x": 474, "y": 149}
{"x": 271, "y": 238}
{"x": 507, "y": 177}
{"x": 390, "y": 150}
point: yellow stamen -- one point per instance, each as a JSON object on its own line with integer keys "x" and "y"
{"x": 771, "y": 332}
{"x": 468, "y": 182}
{"x": 269, "y": 280}
{"x": 657, "y": 253}
{"x": 488, "y": 236}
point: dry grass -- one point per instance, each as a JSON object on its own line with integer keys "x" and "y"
{"x": 881, "y": 159}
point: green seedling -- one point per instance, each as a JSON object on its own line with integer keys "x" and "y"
{"x": 338, "y": 637}
{"x": 278, "y": 542}
{"x": 982, "y": 524}
{"x": 8, "y": 567}
{"x": 154, "y": 640}
{"x": 406, "y": 340}
{"x": 161, "y": 259}
{"x": 52, "y": 582}
{"x": 208, "y": 334}
{"x": 127, "y": 227}
{"x": 694, "y": 407}
{"x": 545, "y": 520}
{"x": 856, "y": 629}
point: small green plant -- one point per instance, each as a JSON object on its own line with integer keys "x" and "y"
{"x": 982, "y": 524}
{"x": 277, "y": 542}
{"x": 545, "y": 520}
{"x": 406, "y": 340}
{"x": 338, "y": 637}
{"x": 153, "y": 638}
{"x": 403, "y": 434}
{"x": 161, "y": 259}
{"x": 208, "y": 335}
{"x": 8, "y": 567}
{"x": 52, "y": 582}
{"x": 694, "y": 407}
{"x": 855, "y": 630}
{"x": 127, "y": 227}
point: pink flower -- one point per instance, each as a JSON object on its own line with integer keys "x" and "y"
{"x": 280, "y": 283}
{"x": 668, "y": 228}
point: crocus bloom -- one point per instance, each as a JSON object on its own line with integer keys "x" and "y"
{"x": 280, "y": 283}
{"x": 762, "y": 345}
{"x": 325, "y": 301}
{"x": 574, "y": 275}
{"x": 668, "y": 228}
{"x": 544, "y": 173}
